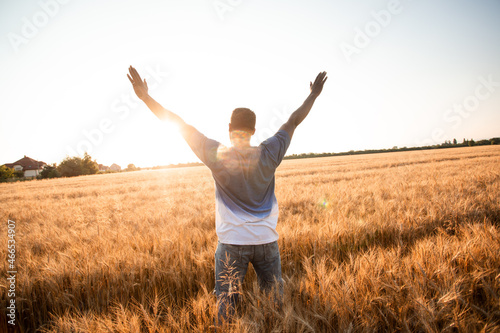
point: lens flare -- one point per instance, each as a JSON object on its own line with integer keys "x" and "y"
{"x": 324, "y": 203}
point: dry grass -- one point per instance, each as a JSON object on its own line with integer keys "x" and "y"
{"x": 387, "y": 242}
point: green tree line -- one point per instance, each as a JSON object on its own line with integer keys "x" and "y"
{"x": 446, "y": 144}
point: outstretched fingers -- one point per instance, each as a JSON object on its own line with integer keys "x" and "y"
{"x": 317, "y": 86}
{"x": 135, "y": 75}
{"x": 321, "y": 77}
{"x": 131, "y": 76}
{"x": 320, "y": 80}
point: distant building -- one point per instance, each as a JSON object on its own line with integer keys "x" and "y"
{"x": 115, "y": 167}
{"x": 103, "y": 167}
{"x": 29, "y": 166}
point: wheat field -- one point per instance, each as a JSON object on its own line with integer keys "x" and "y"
{"x": 406, "y": 241}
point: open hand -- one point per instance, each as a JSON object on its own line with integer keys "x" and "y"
{"x": 317, "y": 86}
{"x": 140, "y": 87}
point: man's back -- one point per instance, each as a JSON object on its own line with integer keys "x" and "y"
{"x": 246, "y": 206}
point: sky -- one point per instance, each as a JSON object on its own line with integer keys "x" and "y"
{"x": 400, "y": 73}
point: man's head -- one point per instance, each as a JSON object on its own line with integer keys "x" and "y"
{"x": 242, "y": 119}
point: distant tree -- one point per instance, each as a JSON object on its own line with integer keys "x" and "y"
{"x": 18, "y": 173}
{"x": 70, "y": 167}
{"x": 131, "y": 167}
{"x": 89, "y": 167}
{"x": 455, "y": 141}
{"x": 482, "y": 142}
{"x": 471, "y": 142}
{"x": 115, "y": 167}
{"x": 54, "y": 174}
{"x": 76, "y": 166}
{"x": 50, "y": 171}
{"x": 6, "y": 172}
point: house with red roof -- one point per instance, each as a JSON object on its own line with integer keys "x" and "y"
{"x": 31, "y": 167}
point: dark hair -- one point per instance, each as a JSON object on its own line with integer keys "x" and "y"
{"x": 243, "y": 119}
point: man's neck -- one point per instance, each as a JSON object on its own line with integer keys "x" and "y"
{"x": 240, "y": 139}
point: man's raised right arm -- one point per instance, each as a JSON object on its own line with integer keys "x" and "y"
{"x": 301, "y": 113}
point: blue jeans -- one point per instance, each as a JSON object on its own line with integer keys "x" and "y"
{"x": 231, "y": 265}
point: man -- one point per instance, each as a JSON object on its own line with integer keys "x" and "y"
{"x": 246, "y": 206}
